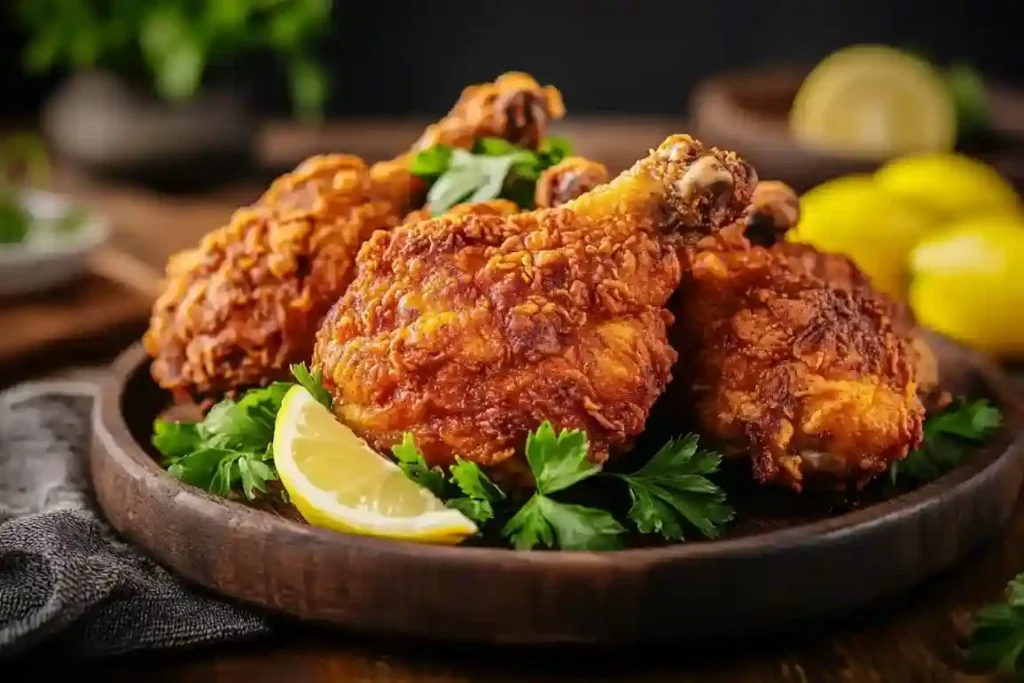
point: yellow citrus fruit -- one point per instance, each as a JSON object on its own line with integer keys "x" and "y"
{"x": 967, "y": 283}
{"x": 876, "y": 101}
{"x": 337, "y": 481}
{"x": 951, "y": 185}
{"x": 852, "y": 216}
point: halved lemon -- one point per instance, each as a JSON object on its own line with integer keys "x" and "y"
{"x": 874, "y": 100}
{"x": 337, "y": 481}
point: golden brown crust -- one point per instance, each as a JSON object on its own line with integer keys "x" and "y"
{"x": 567, "y": 180}
{"x": 244, "y": 304}
{"x": 469, "y": 331}
{"x": 800, "y": 365}
{"x": 491, "y": 207}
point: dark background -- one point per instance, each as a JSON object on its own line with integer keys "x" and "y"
{"x": 622, "y": 56}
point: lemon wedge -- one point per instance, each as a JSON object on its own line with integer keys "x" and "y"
{"x": 337, "y": 481}
{"x": 872, "y": 100}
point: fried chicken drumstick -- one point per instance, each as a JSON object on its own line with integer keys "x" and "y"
{"x": 798, "y": 364}
{"x": 470, "y": 331}
{"x": 246, "y": 303}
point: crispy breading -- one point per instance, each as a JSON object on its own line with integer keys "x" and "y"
{"x": 800, "y": 365}
{"x": 491, "y": 207}
{"x": 245, "y": 304}
{"x": 469, "y": 331}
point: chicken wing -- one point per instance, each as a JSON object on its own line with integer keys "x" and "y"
{"x": 245, "y": 304}
{"x": 470, "y": 331}
{"x": 798, "y": 364}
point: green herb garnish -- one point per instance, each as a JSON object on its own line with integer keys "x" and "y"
{"x": 673, "y": 488}
{"x": 997, "y": 636}
{"x": 313, "y": 383}
{"x": 231, "y": 450}
{"x": 416, "y": 468}
{"x": 948, "y": 437}
{"x": 668, "y": 492}
{"x": 464, "y": 487}
{"x": 557, "y": 462}
{"x": 494, "y": 169}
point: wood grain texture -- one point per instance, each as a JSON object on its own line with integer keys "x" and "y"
{"x": 748, "y": 585}
{"x": 42, "y": 331}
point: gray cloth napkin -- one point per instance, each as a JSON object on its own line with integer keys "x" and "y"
{"x": 66, "y": 581}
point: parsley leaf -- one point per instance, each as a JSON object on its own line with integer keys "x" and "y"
{"x": 997, "y": 637}
{"x": 543, "y": 521}
{"x": 948, "y": 436}
{"x": 230, "y": 450}
{"x": 672, "y": 488}
{"x": 415, "y": 466}
{"x": 495, "y": 168}
{"x": 553, "y": 150}
{"x": 480, "y": 494}
{"x": 431, "y": 162}
{"x": 558, "y": 462}
{"x": 313, "y": 383}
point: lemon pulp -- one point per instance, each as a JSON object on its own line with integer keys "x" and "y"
{"x": 874, "y": 100}
{"x": 337, "y": 481}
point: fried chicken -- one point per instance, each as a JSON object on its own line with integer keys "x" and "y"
{"x": 567, "y": 180}
{"x": 799, "y": 365}
{"x": 470, "y": 331}
{"x": 245, "y": 304}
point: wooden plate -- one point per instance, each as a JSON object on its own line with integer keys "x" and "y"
{"x": 728, "y": 587}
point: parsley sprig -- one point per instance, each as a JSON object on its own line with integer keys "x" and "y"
{"x": 673, "y": 488}
{"x": 495, "y": 168}
{"x": 669, "y": 493}
{"x": 997, "y": 636}
{"x": 464, "y": 487}
{"x": 948, "y": 437}
{"x": 231, "y": 450}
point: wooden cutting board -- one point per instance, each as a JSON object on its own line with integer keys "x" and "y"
{"x": 81, "y": 322}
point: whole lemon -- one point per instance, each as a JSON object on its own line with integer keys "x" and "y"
{"x": 853, "y": 216}
{"x": 951, "y": 185}
{"x": 967, "y": 283}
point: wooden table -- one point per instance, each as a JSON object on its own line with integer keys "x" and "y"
{"x": 909, "y": 638}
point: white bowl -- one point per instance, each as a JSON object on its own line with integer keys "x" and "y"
{"x": 44, "y": 261}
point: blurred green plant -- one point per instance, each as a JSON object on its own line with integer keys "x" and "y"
{"x": 174, "y": 41}
{"x": 23, "y": 159}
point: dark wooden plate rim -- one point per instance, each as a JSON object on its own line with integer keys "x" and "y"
{"x": 114, "y": 434}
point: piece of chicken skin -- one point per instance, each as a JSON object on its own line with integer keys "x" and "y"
{"x": 245, "y": 304}
{"x": 567, "y": 180}
{"x": 774, "y": 210}
{"x": 799, "y": 365}
{"x": 470, "y": 331}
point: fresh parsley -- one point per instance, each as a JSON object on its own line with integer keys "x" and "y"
{"x": 464, "y": 487}
{"x": 673, "y": 488}
{"x": 495, "y": 168}
{"x": 313, "y": 383}
{"x": 558, "y": 461}
{"x": 415, "y": 467}
{"x": 997, "y": 636}
{"x": 669, "y": 493}
{"x": 948, "y": 436}
{"x": 231, "y": 449}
